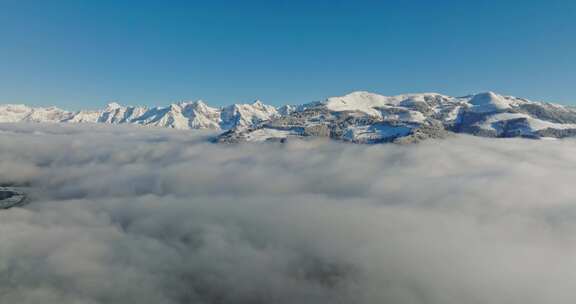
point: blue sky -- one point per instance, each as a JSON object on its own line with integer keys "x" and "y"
{"x": 83, "y": 54}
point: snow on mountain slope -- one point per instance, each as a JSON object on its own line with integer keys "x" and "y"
{"x": 286, "y": 109}
{"x": 532, "y": 124}
{"x": 245, "y": 115}
{"x": 201, "y": 116}
{"x": 168, "y": 117}
{"x": 374, "y": 133}
{"x": 365, "y": 117}
{"x": 114, "y": 113}
{"x": 84, "y": 117}
{"x": 18, "y": 113}
{"x": 359, "y": 117}
{"x": 265, "y": 134}
{"x": 372, "y": 104}
{"x": 489, "y": 102}
{"x": 183, "y": 115}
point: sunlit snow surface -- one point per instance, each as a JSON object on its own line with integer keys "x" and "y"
{"x": 531, "y": 123}
{"x": 146, "y": 215}
{"x": 374, "y": 133}
{"x": 268, "y": 134}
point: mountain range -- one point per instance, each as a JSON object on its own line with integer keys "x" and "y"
{"x": 183, "y": 115}
{"x": 358, "y": 117}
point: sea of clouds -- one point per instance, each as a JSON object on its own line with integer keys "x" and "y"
{"x": 142, "y": 215}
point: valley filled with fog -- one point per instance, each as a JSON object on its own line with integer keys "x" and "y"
{"x": 127, "y": 214}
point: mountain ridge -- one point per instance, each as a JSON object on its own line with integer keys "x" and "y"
{"x": 181, "y": 115}
{"x": 359, "y": 117}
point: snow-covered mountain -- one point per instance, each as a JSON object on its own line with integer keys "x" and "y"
{"x": 363, "y": 117}
{"x": 22, "y": 113}
{"x": 359, "y": 117}
{"x": 183, "y": 115}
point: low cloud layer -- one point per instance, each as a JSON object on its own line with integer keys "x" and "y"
{"x": 137, "y": 215}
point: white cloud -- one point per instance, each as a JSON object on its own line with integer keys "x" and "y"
{"x": 137, "y": 215}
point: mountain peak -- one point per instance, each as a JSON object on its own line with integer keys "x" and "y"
{"x": 358, "y": 101}
{"x": 356, "y": 116}
{"x": 489, "y": 102}
{"x": 486, "y": 96}
{"x": 258, "y": 103}
{"x": 113, "y": 106}
{"x": 360, "y": 92}
{"x": 199, "y": 103}
{"x": 175, "y": 107}
{"x": 201, "y": 106}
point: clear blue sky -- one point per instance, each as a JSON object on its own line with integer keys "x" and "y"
{"x": 82, "y": 54}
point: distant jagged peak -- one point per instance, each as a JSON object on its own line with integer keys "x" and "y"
{"x": 51, "y": 108}
{"x": 258, "y": 103}
{"x": 26, "y": 108}
{"x": 195, "y": 103}
{"x": 16, "y": 106}
{"x": 113, "y": 106}
{"x": 175, "y": 107}
{"x": 287, "y": 109}
{"x": 199, "y": 103}
{"x": 256, "y": 106}
{"x": 254, "y": 103}
{"x": 201, "y": 106}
